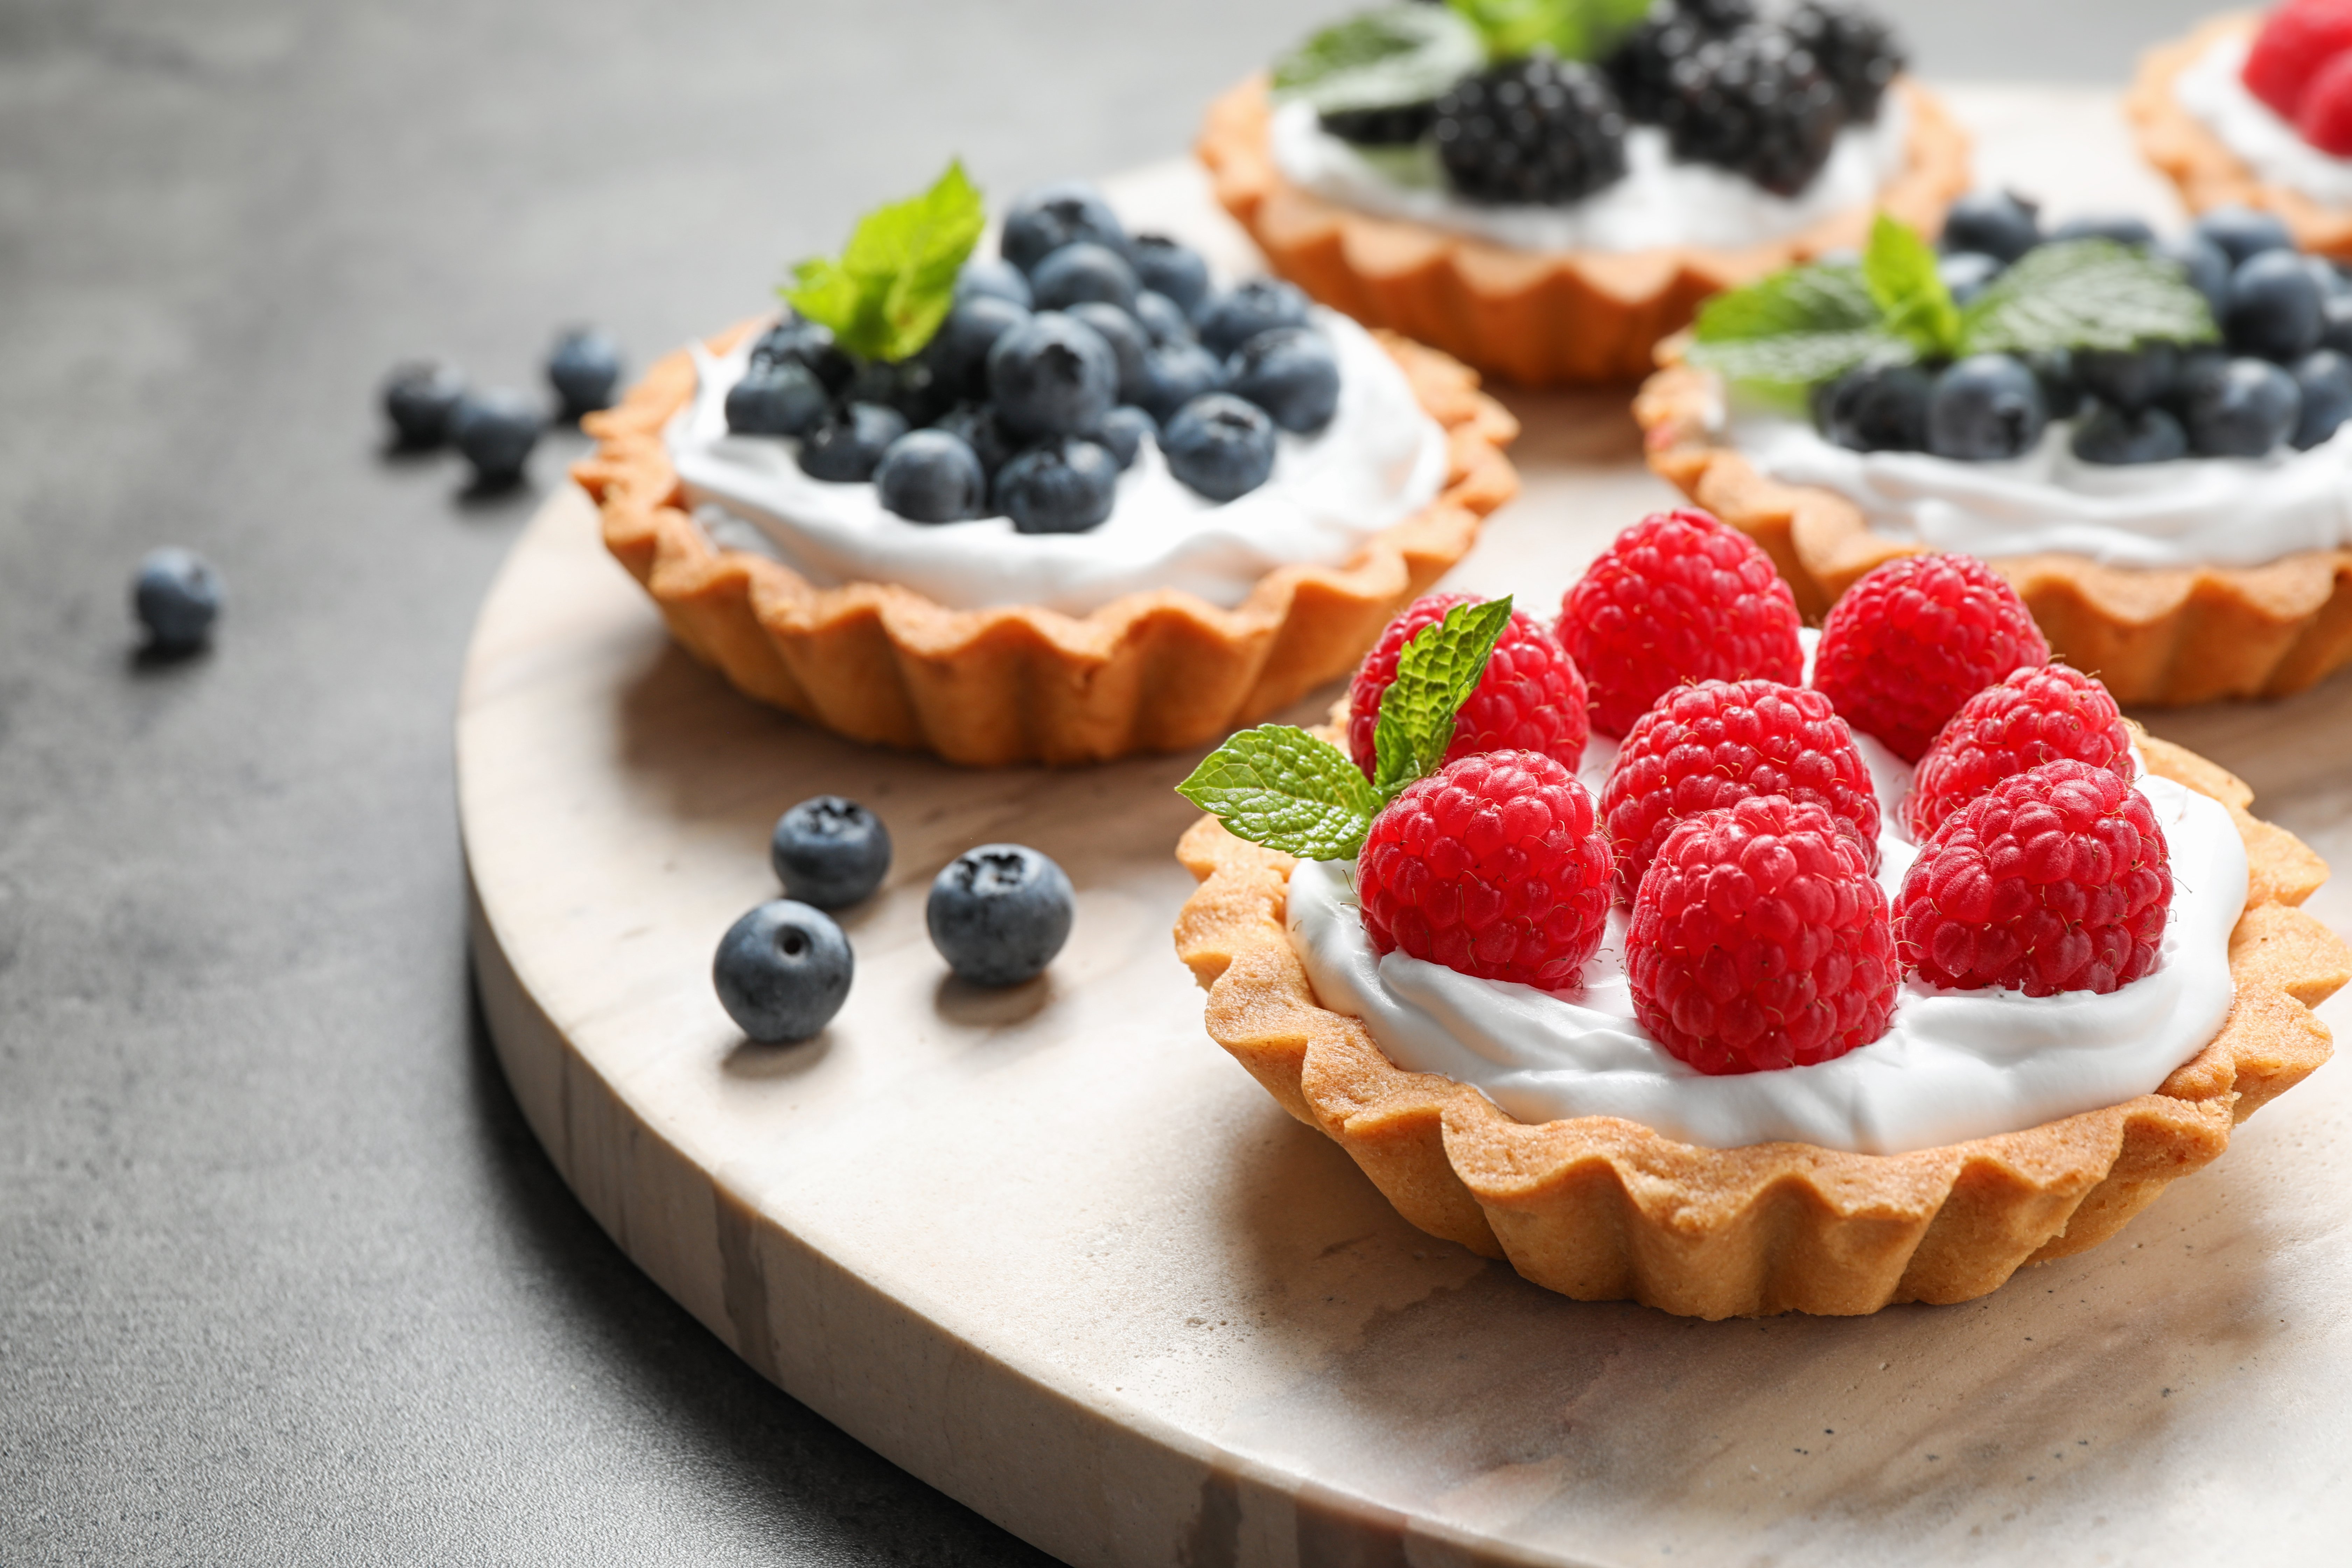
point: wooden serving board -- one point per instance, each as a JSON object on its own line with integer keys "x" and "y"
{"x": 1051, "y": 1250}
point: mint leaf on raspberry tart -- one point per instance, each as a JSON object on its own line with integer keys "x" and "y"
{"x": 1436, "y": 673}
{"x": 1280, "y": 786}
{"x": 894, "y": 282}
{"x": 1571, "y": 29}
{"x": 1387, "y": 59}
{"x": 2085, "y": 294}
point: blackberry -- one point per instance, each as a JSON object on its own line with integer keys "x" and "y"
{"x": 1856, "y": 51}
{"x": 1643, "y": 68}
{"x": 1756, "y": 103}
{"x": 1536, "y": 130}
{"x": 1394, "y": 125}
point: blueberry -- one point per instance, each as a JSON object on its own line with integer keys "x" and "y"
{"x": 1220, "y": 445}
{"x": 1877, "y": 408}
{"x": 933, "y": 476}
{"x": 1227, "y": 320}
{"x": 1062, "y": 487}
{"x": 979, "y": 429}
{"x": 1041, "y": 221}
{"x": 2324, "y": 273}
{"x": 2274, "y": 310}
{"x": 960, "y": 348}
{"x": 2244, "y": 233}
{"x": 1985, "y": 408}
{"x": 1121, "y": 433}
{"x": 2128, "y": 378}
{"x": 999, "y": 913}
{"x": 496, "y": 431}
{"x": 2336, "y": 324}
{"x": 1162, "y": 318}
{"x": 2325, "y": 379}
{"x": 996, "y": 279}
{"x": 1995, "y": 223}
{"x": 1292, "y": 374}
{"x": 2205, "y": 265}
{"x": 847, "y": 450}
{"x": 1175, "y": 373}
{"x": 830, "y": 852}
{"x": 583, "y": 367}
{"x": 782, "y": 970}
{"x": 1052, "y": 375}
{"x": 2114, "y": 437}
{"x": 2120, "y": 228}
{"x": 419, "y": 398}
{"x": 176, "y": 597}
{"x": 809, "y": 342}
{"x": 2062, "y": 390}
{"x": 1129, "y": 343}
{"x": 1170, "y": 269}
{"x": 2245, "y": 412}
{"x": 1966, "y": 272}
{"x": 913, "y": 386}
{"x": 1081, "y": 272}
{"x": 776, "y": 398}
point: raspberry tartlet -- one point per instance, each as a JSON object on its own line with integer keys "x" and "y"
{"x": 1548, "y": 205}
{"x": 1799, "y": 1062}
{"x": 1062, "y": 504}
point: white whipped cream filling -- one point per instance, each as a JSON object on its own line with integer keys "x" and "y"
{"x": 1379, "y": 460}
{"x": 1659, "y": 202}
{"x": 1952, "y": 1066}
{"x": 2212, "y": 90}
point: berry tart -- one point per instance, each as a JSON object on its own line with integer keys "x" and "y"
{"x": 1064, "y": 503}
{"x": 2144, "y": 435}
{"x": 1545, "y": 190}
{"x": 1765, "y": 1004}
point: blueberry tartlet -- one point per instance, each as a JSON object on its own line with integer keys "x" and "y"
{"x": 1546, "y": 191}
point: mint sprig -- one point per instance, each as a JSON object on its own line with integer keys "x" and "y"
{"x": 2086, "y": 294}
{"x": 1282, "y": 788}
{"x": 1573, "y": 29}
{"x": 894, "y": 282}
{"x": 1913, "y": 302}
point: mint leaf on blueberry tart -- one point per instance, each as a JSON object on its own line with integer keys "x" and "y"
{"x": 891, "y": 287}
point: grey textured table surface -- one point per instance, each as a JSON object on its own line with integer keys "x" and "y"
{"x": 282, "y": 1276}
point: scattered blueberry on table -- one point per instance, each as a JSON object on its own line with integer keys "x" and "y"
{"x": 830, "y": 852}
{"x": 495, "y": 431}
{"x": 419, "y": 397}
{"x": 998, "y": 914}
{"x": 584, "y": 368}
{"x": 177, "y": 598}
{"x": 782, "y": 970}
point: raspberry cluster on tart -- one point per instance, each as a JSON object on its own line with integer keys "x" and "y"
{"x": 1546, "y": 202}
{"x": 2143, "y": 434}
{"x": 1731, "y": 1041}
{"x": 1065, "y": 503}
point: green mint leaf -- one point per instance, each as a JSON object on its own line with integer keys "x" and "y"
{"x": 1900, "y": 269}
{"x": 1782, "y": 369}
{"x": 1573, "y": 29}
{"x": 1380, "y": 59}
{"x": 1436, "y": 673}
{"x": 1279, "y": 786}
{"x": 2085, "y": 294}
{"x": 892, "y": 285}
{"x": 1821, "y": 297}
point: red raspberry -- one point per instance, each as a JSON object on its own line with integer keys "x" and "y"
{"x": 1531, "y": 698}
{"x": 1704, "y": 747}
{"x": 1494, "y": 866}
{"x": 2294, "y": 42}
{"x": 1678, "y": 596}
{"x": 1759, "y": 941}
{"x": 2055, "y": 879}
{"x": 2325, "y": 118}
{"x": 2033, "y": 717}
{"x": 1916, "y": 638}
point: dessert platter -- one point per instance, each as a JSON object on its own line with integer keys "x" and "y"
{"x": 1365, "y": 1285}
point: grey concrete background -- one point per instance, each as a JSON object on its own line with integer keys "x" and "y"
{"x": 282, "y": 1276}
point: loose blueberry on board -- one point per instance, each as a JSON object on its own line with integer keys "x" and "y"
{"x": 998, "y": 914}
{"x": 1052, "y": 375}
{"x": 978, "y": 429}
{"x": 830, "y": 852}
{"x": 1992, "y": 223}
{"x": 495, "y": 431}
{"x": 2128, "y": 378}
{"x": 1129, "y": 343}
{"x": 1042, "y": 220}
{"x": 2062, "y": 389}
{"x": 2242, "y": 232}
{"x": 847, "y": 450}
{"x": 2245, "y": 412}
{"x": 177, "y": 597}
{"x": 2120, "y": 228}
{"x": 1067, "y": 486}
{"x": 2274, "y": 310}
{"x": 933, "y": 476}
{"x": 1176, "y": 372}
{"x": 1122, "y": 432}
{"x": 783, "y": 972}
{"x": 959, "y": 351}
{"x": 1220, "y": 445}
{"x": 2206, "y": 265}
{"x": 1985, "y": 408}
{"x": 1877, "y": 408}
{"x": 2115, "y": 438}
{"x": 1292, "y": 374}
{"x": 583, "y": 367}
{"x": 1162, "y": 318}
{"x": 419, "y": 398}
{"x": 1176, "y": 272}
{"x": 2324, "y": 377}
{"x": 1227, "y": 320}
{"x": 1965, "y": 273}
{"x": 776, "y": 398}
{"x": 995, "y": 278}
{"x": 1084, "y": 271}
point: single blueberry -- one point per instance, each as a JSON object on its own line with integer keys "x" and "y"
{"x": 1121, "y": 433}
{"x": 1174, "y": 373}
{"x": 2242, "y": 233}
{"x": 782, "y": 970}
{"x": 1081, "y": 272}
{"x": 1162, "y": 318}
{"x": 1227, "y": 320}
{"x": 2274, "y": 310}
{"x": 979, "y": 429}
{"x": 1052, "y": 375}
{"x": 419, "y": 397}
{"x": 1965, "y": 273}
{"x": 1042, "y": 220}
{"x": 1985, "y": 408}
{"x": 2325, "y": 379}
{"x": 2062, "y": 390}
{"x": 2122, "y": 228}
{"x": 2115, "y": 437}
{"x": 1173, "y": 271}
{"x": 918, "y": 390}
{"x": 849, "y": 448}
{"x": 1994, "y": 223}
{"x": 583, "y": 367}
{"x": 176, "y": 597}
{"x": 2204, "y": 264}
{"x": 960, "y": 348}
{"x": 2336, "y": 324}
{"x": 1129, "y": 343}
{"x": 1220, "y": 445}
{"x": 495, "y": 430}
{"x": 933, "y": 476}
{"x": 830, "y": 852}
{"x": 2243, "y": 413}
{"x": 1292, "y": 374}
{"x": 1061, "y": 487}
{"x": 1877, "y": 408}
{"x": 776, "y": 398}
{"x": 2128, "y": 378}
{"x": 809, "y": 342}
{"x": 995, "y": 277}
{"x": 999, "y": 913}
